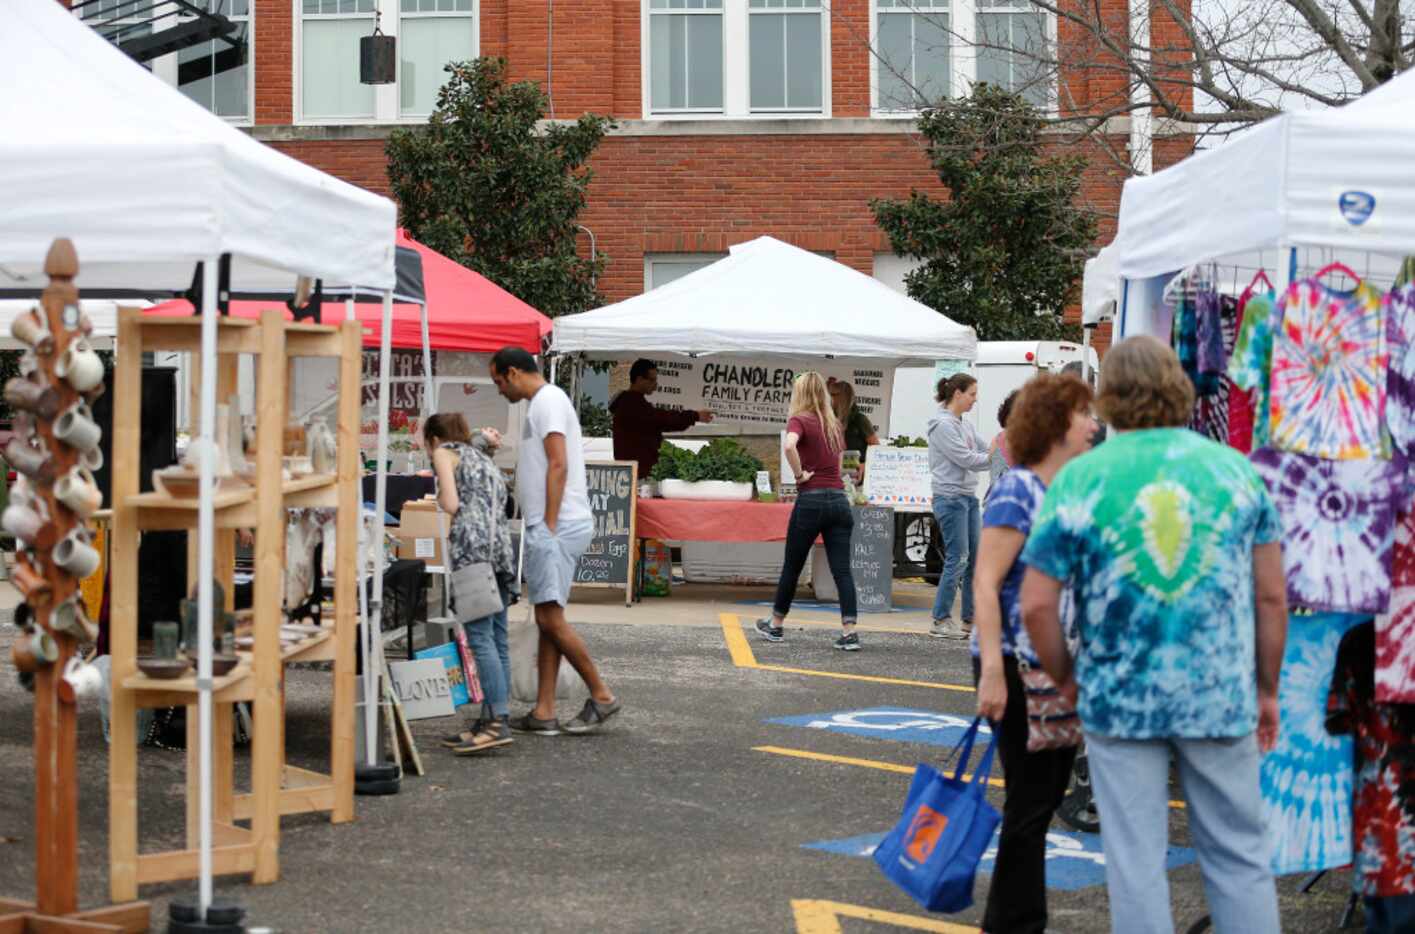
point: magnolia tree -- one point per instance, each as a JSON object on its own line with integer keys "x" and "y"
{"x": 1004, "y": 253}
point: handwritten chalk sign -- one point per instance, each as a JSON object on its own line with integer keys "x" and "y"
{"x": 898, "y": 478}
{"x": 872, "y": 558}
{"x": 609, "y": 559}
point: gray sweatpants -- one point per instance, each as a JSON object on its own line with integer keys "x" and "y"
{"x": 1225, "y": 809}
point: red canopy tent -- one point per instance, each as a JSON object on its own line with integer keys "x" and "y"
{"x": 465, "y": 311}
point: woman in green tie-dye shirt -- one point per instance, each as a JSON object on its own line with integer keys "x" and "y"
{"x": 1170, "y": 544}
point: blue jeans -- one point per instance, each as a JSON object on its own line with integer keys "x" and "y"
{"x": 825, "y": 513}
{"x": 1220, "y": 781}
{"x": 487, "y": 639}
{"x": 959, "y": 523}
{"x": 1389, "y": 914}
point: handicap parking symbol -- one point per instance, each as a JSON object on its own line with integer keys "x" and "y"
{"x": 896, "y": 723}
{"x": 1073, "y": 860}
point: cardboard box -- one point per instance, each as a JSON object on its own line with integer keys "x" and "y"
{"x": 418, "y": 533}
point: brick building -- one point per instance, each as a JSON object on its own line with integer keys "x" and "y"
{"x": 736, "y": 118}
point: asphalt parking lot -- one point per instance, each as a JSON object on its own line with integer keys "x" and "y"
{"x": 738, "y": 791}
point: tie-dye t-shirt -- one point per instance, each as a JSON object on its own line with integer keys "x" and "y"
{"x": 1013, "y": 504}
{"x": 1329, "y": 373}
{"x": 1154, "y": 532}
{"x": 1250, "y": 367}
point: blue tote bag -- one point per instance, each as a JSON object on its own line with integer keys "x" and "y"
{"x": 934, "y": 850}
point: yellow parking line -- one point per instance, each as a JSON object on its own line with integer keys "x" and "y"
{"x": 872, "y": 764}
{"x": 743, "y": 657}
{"x": 823, "y": 917}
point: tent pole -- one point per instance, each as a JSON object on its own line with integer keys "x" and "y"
{"x": 429, "y": 397}
{"x": 1086, "y": 355}
{"x": 371, "y": 674}
{"x": 579, "y": 368}
{"x": 205, "y": 554}
{"x": 554, "y": 367}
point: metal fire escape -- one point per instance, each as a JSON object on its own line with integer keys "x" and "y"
{"x": 149, "y": 29}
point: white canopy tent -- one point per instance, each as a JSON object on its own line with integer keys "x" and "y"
{"x": 1336, "y": 182}
{"x": 768, "y": 298}
{"x": 148, "y": 184}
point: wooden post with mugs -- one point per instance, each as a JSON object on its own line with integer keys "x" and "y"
{"x": 48, "y": 514}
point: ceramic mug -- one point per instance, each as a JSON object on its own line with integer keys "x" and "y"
{"x": 71, "y": 619}
{"x": 22, "y": 521}
{"x": 76, "y": 428}
{"x": 33, "y": 462}
{"x": 78, "y": 490}
{"x": 81, "y": 680}
{"x": 31, "y": 329}
{"x": 75, "y": 555}
{"x": 29, "y": 396}
{"x": 34, "y": 650}
{"x": 92, "y": 459}
{"x": 80, "y": 366}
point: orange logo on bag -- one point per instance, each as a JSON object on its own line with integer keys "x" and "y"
{"x": 924, "y": 832}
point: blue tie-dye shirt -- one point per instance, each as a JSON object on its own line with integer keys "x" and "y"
{"x": 1013, "y": 503}
{"x": 1154, "y": 531}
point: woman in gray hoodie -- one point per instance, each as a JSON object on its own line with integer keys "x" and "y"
{"x": 957, "y": 453}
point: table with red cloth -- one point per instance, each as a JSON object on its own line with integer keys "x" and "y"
{"x": 699, "y": 520}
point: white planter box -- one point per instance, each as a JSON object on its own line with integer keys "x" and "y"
{"x": 705, "y": 489}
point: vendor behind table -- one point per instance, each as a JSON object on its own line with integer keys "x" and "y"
{"x": 639, "y": 425}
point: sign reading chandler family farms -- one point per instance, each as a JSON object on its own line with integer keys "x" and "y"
{"x": 750, "y": 395}
{"x": 609, "y": 559}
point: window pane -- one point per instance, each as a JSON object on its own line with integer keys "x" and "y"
{"x": 1030, "y": 69}
{"x": 329, "y": 69}
{"x": 803, "y": 58}
{"x": 894, "y": 64}
{"x": 931, "y": 57}
{"x": 660, "y": 62}
{"x": 993, "y": 39}
{"x": 213, "y": 75}
{"x": 679, "y": 64}
{"x": 767, "y": 62}
{"x": 704, "y": 41}
{"x": 425, "y": 46}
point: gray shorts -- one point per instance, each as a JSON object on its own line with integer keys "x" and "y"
{"x": 551, "y": 559}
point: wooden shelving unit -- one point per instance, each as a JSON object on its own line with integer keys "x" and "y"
{"x": 276, "y": 788}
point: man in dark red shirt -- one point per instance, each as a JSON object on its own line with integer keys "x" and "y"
{"x": 639, "y": 425}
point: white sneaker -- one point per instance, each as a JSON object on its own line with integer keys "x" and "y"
{"x": 947, "y": 629}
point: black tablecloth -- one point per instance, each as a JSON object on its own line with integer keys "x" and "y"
{"x": 401, "y": 488}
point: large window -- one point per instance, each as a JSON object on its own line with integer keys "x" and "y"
{"x": 685, "y": 52}
{"x": 913, "y": 44}
{"x": 786, "y": 55}
{"x": 1012, "y": 39}
{"x": 663, "y": 268}
{"x": 429, "y": 34}
{"x": 736, "y": 57}
{"x": 329, "y": 59}
{"x": 927, "y": 50}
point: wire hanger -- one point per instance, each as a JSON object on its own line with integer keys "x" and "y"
{"x": 1337, "y": 267}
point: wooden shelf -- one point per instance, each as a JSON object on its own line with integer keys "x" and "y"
{"x": 274, "y": 788}
{"x": 235, "y": 685}
{"x": 233, "y": 335}
{"x": 301, "y": 792}
{"x": 314, "y": 491}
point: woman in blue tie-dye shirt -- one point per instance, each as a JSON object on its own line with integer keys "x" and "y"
{"x": 1049, "y": 424}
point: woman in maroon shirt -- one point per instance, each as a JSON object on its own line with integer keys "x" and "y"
{"x": 814, "y": 443}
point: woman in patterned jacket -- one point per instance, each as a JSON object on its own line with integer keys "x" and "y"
{"x": 472, "y": 490}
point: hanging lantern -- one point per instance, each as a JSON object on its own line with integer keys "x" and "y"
{"x": 377, "y": 56}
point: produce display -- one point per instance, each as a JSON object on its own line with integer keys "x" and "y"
{"x": 723, "y": 459}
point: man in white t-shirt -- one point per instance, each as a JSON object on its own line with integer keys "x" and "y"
{"x": 553, "y": 493}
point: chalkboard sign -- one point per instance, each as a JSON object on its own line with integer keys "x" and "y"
{"x": 898, "y": 477}
{"x": 609, "y": 559}
{"x": 872, "y": 558}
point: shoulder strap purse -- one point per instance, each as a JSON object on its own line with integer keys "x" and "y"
{"x": 1052, "y": 723}
{"x": 474, "y": 587}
